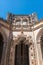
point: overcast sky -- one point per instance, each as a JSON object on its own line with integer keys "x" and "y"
{"x": 21, "y": 7}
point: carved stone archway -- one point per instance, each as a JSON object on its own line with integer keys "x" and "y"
{"x": 22, "y": 49}
{"x": 39, "y": 46}
{"x": 28, "y": 41}
{"x": 12, "y": 52}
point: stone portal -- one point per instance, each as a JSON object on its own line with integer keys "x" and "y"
{"x": 21, "y": 54}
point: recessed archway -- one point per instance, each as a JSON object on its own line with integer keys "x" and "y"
{"x": 22, "y": 53}
{"x": 1, "y": 46}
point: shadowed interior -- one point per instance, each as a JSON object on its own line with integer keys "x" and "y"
{"x": 1, "y": 46}
{"x": 21, "y": 54}
{"x": 42, "y": 44}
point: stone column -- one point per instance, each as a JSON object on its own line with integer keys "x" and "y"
{"x": 39, "y": 53}
{"x": 32, "y": 53}
{"x": 12, "y": 54}
{"x": 4, "y": 53}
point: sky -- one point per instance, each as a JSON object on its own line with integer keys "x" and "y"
{"x": 21, "y": 7}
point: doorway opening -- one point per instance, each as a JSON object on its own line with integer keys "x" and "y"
{"x": 21, "y": 54}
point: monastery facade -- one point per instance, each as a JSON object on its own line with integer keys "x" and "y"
{"x": 21, "y": 40}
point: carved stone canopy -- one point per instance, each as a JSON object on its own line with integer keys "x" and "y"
{"x": 25, "y": 40}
